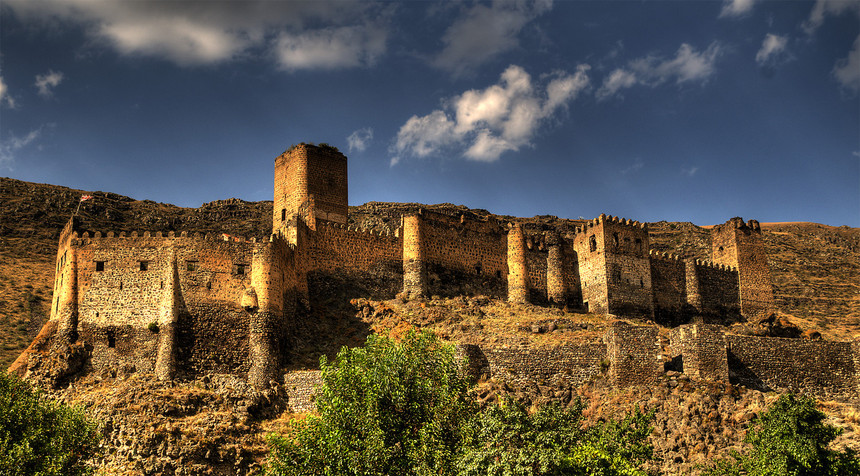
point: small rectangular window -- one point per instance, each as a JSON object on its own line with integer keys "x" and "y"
{"x": 283, "y": 214}
{"x": 239, "y": 269}
{"x": 100, "y": 265}
{"x": 191, "y": 265}
{"x": 144, "y": 265}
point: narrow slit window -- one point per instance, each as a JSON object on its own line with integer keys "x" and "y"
{"x": 283, "y": 214}
{"x": 111, "y": 339}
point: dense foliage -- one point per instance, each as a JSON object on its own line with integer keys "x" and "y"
{"x": 512, "y": 441}
{"x": 403, "y": 409}
{"x": 39, "y": 436}
{"x": 792, "y": 439}
{"x": 385, "y": 409}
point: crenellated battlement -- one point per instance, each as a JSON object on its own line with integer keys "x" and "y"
{"x": 326, "y": 227}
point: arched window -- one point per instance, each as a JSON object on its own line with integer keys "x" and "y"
{"x": 592, "y": 243}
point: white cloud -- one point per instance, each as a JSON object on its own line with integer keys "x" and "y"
{"x": 822, "y": 8}
{"x": 46, "y": 82}
{"x": 617, "y": 80}
{"x": 4, "y": 95}
{"x": 688, "y": 65}
{"x": 847, "y": 70}
{"x": 483, "y": 124}
{"x": 330, "y": 48}
{"x": 319, "y": 34}
{"x": 734, "y": 8}
{"x": 483, "y": 32}
{"x": 771, "y": 48}
{"x": 10, "y": 146}
{"x": 360, "y": 139}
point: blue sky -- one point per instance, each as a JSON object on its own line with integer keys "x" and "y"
{"x": 652, "y": 110}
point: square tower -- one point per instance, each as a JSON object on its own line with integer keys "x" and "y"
{"x": 614, "y": 267}
{"x": 740, "y": 245}
{"x": 311, "y": 184}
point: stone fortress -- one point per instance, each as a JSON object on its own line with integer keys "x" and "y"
{"x": 185, "y": 304}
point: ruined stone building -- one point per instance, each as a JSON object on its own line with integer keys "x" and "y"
{"x": 187, "y": 303}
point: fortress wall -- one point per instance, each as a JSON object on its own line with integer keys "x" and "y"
{"x": 118, "y": 304}
{"x": 633, "y": 354}
{"x": 668, "y": 285}
{"x": 740, "y": 245}
{"x": 301, "y": 386}
{"x": 592, "y": 267}
{"x": 536, "y": 262}
{"x": 570, "y": 272}
{"x": 335, "y": 246}
{"x": 467, "y": 246}
{"x": 821, "y": 368}
{"x": 718, "y": 288}
{"x": 702, "y": 348}
{"x": 576, "y": 363}
{"x": 629, "y": 286}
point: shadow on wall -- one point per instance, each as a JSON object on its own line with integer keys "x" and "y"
{"x": 741, "y": 374}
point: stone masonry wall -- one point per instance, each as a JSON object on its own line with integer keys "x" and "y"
{"x": 576, "y": 363}
{"x": 589, "y": 246}
{"x": 335, "y": 246}
{"x": 473, "y": 247}
{"x": 702, "y": 348}
{"x": 633, "y": 354}
{"x": 740, "y": 245}
{"x": 718, "y": 289}
{"x": 668, "y": 285}
{"x": 816, "y": 367}
{"x": 301, "y": 387}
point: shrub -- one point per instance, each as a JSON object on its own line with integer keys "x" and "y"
{"x": 791, "y": 438}
{"x": 551, "y": 441}
{"x": 39, "y": 436}
{"x": 387, "y": 408}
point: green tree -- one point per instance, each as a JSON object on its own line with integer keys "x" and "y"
{"x": 387, "y": 408}
{"x": 791, "y": 438}
{"x": 39, "y": 436}
{"x": 511, "y": 441}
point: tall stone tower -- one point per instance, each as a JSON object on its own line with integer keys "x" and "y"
{"x": 614, "y": 267}
{"x": 310, "y": 183}
{"x": 739, "y": 244}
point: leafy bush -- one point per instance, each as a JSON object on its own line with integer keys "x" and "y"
{"x": 39, "y": 436}
{"x": 385, "y": 409}
{"x": 791, "y": 438}
{"x": 551, "y": 441}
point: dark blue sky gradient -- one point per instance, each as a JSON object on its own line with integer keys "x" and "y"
{"x": 777, "y": 140}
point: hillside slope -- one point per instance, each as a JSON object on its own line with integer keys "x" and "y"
{"x": 815, "y": 268}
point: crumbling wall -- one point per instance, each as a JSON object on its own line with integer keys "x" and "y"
{"x": 702, "y": 348}
{"x": 633, "y": 354}
{"x": 817, "y": 367}
{"x": 718, "y": 289}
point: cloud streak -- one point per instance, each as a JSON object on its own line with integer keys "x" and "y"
{"x": 485, "y": 31}
{"x": 10, "y": 147}
{"x": 687, "y": 66}
{"x": 483, "y": 124}
{"x": 736, "y": 8}
{"x": 297, "y": 35}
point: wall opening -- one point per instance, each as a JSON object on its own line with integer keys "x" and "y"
{"x": 592, "y": 243}
{"x": 111, "y": 339}
{"x": 144, "y": 265}
{"x": 191, "y": 265}
{"x": 239, "y": 269}
{"x": 283, "y": 214}
{"x": 638, "y": 245}
{"x": 615, "y": 240}
{"x": 100, "y": 265}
